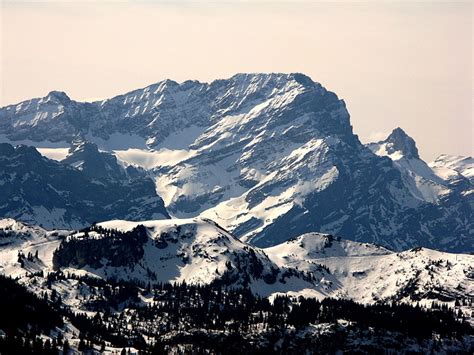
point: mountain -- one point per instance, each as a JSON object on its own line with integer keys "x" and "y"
{"x": 154, "y": 112}
{"x": 454, "y": 167}
{"x": 267, "y": 156}
{"x": 199, "y": 251}
{"x": 423, "y": 181}
{"x": 446, "y": 183}
{"x": 51, "y": 116}
{"x": 368, "y": 273}
{"x": 188, "y": 250}
{"x": 86, "y": 157}
{"x": 165, "y": 283}
{"x": 45, "y": 192}
{"x": 194, "y": 251}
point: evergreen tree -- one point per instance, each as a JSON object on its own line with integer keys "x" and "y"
{"x": 66, "y": 347}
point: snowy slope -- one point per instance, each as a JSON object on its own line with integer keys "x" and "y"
{"x": 316, "y": 246}
{"x": 190, "y": 250}
{"x": 19, "y": 238}
{"x": 187, "y": 250}
{"x": 368, "y": 273}
{"x": 449, "y": 167}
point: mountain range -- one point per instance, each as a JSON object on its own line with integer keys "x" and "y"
{"x": 266, "y": 156}
{"x": 242, "y": 215}
{"x": 198, "y": 251}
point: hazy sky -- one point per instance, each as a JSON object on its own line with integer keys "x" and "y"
{"x": 394, "y": 63}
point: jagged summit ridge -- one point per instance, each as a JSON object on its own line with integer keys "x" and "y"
{"x": 159, "y": 109}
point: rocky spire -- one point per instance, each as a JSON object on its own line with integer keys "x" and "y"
{"x": 399, "y": 141}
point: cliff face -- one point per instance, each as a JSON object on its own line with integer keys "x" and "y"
{"x": 55, "y": 195}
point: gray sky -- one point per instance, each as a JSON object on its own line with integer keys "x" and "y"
{"x": 394, "y": 63}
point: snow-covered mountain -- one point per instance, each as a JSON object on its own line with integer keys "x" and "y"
{"x": 369, "y": 273}
{"x": 112, "y": 272}
{"x": 194, "y": 251}
{"x": 267, "y": 156}
{"x": 187, "y": 250}
{"x": 198, "y": 251}
{"x": 453, "y": 167}
{"x": 41, "y": 191}
{"x": 421, "y": 180}
{"x": 317, "y": 245}
{"x": 447, "y": 182}
{"x": 86, "y": 157}
{"x": 431, "y": 182}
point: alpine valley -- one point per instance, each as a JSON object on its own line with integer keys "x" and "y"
{"x": 243, "y": 215}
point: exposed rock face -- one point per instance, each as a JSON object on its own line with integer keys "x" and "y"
{"x": 399, "y": 141}
{"x": 86, "y": 157}
{"x": 166, "y": 107}
{"x": 42, "y": 191}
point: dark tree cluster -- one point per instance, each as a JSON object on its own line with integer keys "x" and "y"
{"x": 23, "y": 318}
{"x": 23, "y": 311}
{"x": 119, "y": 248}
{"x": 213, "y": 319}
{"x": 217, "y": 319}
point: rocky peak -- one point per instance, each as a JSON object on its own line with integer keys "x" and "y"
{"x": 268, "y": 156}
{"x": 58, "y": 97}
{"x": 399, "y": 141}
{"x": 81, "y": 146}
{"x": 20, "y": 151}
{"x": 86, "y": 156}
